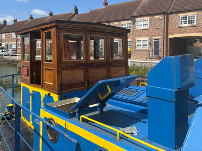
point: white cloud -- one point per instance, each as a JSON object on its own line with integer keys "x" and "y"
{"x": 8, "y": 18}
{"x": 39, "y": 12}
{"x": 25, "y": 1}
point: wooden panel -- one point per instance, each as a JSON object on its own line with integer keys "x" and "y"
{"x": 72, "y": 76}
{"x": 96, "y": 74}
{"x": 117, "y": 72}
{"x": 48, "y": 77}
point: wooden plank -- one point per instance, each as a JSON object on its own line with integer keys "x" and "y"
{"x": 73, "y": 76}
{"x": 96, "y": 74}
{"x": 117, "y": 72}
{"x": 48, "y": 74}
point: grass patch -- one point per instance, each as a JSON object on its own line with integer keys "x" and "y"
{"x": 139, "y": 70}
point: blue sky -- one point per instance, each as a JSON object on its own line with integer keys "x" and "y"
{"x": 21, "y": 9}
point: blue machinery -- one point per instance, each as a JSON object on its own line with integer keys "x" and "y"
{"x": 115, "y": 116}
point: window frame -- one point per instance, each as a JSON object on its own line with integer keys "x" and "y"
{"x": 18, "y": 44}
{"x": 13, "y": 35}
{"x": 128, "y": 44}
{"x": 142, "y": 24}
{"x": 187, "y": 16}
{"x": 38, "y": 43}
{"x": 14, "y": 45}
{"x": 126, "y": 26}
{"x": 142, "y": 44}
{"x": 3, "y": 36}
{"x": 123, "y": 41}
{"x": 84, "y": 50}
{"x": 105, "y": 47}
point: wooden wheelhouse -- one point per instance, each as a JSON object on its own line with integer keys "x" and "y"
{"x": 63, "y": 56}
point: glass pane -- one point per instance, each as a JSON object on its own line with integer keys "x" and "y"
{"x": 139, "y": 22}
{"x": 73, "y": 47}
{"x": 38, "y": 50}
{"x": 145, "y": 21}
{"x": 145, "y": 41}
{"x": 97, "y": 48}
{"x": 26, "y": 49}
{"x": 144, "y": 46}
{"x": 48, "y": 49}
{"x": 145, "y": 26}
{"x": 191, "y": 20}
{"x": 116, "y": 47}
{"x": 138, "y": 41}
{"x": 138, "y": 46}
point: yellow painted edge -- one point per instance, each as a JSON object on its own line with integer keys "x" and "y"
{"x": 79, "y": 131}
{"x": 193, "y": 13}
{"x": 28, "y": 123}
{"x": 186, "y": 35}
{"x": 30, "y": 108}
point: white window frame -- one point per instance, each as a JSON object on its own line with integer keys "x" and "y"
{"x": 126, "y": 25}
{"x": 142, "y": 43}
{"x": 187, "y": 24}
{"x": 3, "y": 36}
{"x": 13, "y": 35}
{"x": 141, "y": 23}
{"x": 3, "y": 44}
{"x": 129, "y": 41}
{"x": 159, "y": 46}
{"x": 38, "y": 44}
{"x": 13, "y": 44}
{"x": 19, "y": 44}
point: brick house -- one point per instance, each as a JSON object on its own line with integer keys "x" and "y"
{"x": 12, "y": 41}
{"x": 1, "y": 27}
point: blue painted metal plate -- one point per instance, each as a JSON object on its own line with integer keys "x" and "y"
{"x": 194, "y": 135}
{"x": 92, "y": 96}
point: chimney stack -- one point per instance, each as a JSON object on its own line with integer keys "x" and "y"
{"x": 15, "y": 20}
{"x": 5, "y": 22}
{"x": 50, "y": 14}
{"x": 105, "y": 3}
{"x": 75, "y": 10}
{"x": 30, "y": 17}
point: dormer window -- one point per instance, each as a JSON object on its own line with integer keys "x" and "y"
{"x": 187, "y": 20}
{"x": 143, "y": 23}
{"x": 13, "y": 35}
{"x": 126, "y": 25}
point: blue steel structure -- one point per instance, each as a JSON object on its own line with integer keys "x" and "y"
{"x": 160, "y": 113}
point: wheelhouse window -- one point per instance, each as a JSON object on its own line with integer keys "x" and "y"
{"x": 141, "y": 43}
{"x": 48, "y": 48}
{"x": 116, "y": 47}
{"x": 126, "y": 25}
{"x": 72, "y": 47}
{"x": 187, "y": 20}
{"x": 97, "y": 48}
{"x": 143, "y": 23}
{"x": 26, "y": 49}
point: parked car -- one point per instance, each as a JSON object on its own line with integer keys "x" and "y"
{"x": 10, "y": 51}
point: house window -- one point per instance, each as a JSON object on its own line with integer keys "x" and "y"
{"x": 38, "y": 44}
{"x": 126, "y": 25}
{"x": 143, "y": 23}
{"x": 187, "y": 20}
{"x": 129, "y": 44}
{"x": 3, "y": 36}
{"x": 19, "y": 36}
{"x": 13, "y": 45}
{"x": 141, "y": 43}
{"x": 3, "y": 44}
{"x": 13, "y": 35}
{"x": 19, "y": 45}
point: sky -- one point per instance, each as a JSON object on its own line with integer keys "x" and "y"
{"x": 22, "y": 9}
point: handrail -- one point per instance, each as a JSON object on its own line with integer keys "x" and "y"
{"x": 120, "y": 132}
{"x": 10, "y": 75}
{"x": 17, "y": 113}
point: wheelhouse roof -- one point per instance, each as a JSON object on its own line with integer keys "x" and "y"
{"x": 75, "y": 25}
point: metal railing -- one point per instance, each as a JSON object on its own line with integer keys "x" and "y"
{"x": 18, "y": 108}
{"x": 120, "y": 132}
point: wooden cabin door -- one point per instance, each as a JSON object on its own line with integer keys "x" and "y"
{"x": 48, "y": 61}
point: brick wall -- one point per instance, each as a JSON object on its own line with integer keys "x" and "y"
{"x": 155, "y": 31}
